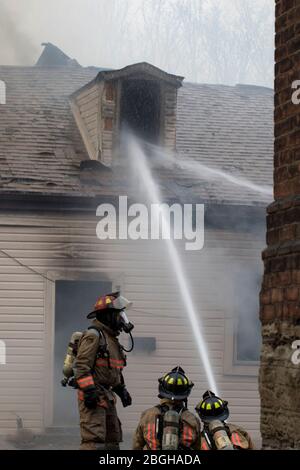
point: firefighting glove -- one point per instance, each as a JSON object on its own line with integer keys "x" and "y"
{"x": 91, "y": 398}
{"x": 124, "y": 395}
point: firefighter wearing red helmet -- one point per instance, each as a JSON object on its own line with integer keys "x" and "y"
{"x": 217, "y": 434}
{"x": 98, "y": 372}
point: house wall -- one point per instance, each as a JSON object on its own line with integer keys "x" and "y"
{"x": 64, "y": 246}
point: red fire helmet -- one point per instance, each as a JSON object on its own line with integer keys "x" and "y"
{"x": 113, "y": 301}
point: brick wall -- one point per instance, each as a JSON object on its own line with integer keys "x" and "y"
{"x": 279, "y": 298}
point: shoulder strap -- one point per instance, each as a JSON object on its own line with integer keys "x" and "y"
{"x": 228, "y": 430}
{"x": 208, "y": 438}
{"x": 159, "y": 431}
{"x": 99, "y": 333}
{"x": 160, "y": 422}
{"x": 103, "y": 350}
{"x": 94, "y": 330}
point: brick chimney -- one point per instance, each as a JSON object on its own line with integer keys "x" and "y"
{"x": 279, "y": 300}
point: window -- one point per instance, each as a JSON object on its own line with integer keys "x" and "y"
{"x": 2, "y": 352}
{"x": 248, "y": 336}
{"x": 140, "y": 108}
{"x": 2, "y": 92}
{"x": 243, "y": 332}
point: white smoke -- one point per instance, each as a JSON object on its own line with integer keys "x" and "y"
{"x": 16, "y": 47}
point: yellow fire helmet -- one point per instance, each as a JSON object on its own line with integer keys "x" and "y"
{"x": 175, "y": 385}
{"x": 212, "y": 407}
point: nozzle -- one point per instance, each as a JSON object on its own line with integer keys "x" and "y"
{"x": 64, "y": 382}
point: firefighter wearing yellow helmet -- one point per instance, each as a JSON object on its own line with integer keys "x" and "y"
{"x": 98, "y": 372}
{"x": 169, "y": 425}
{"x": 217, "y": 434}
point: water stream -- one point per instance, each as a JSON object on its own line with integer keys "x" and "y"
{"x": 140, "y": 164}
{"x": 168, "y": 159}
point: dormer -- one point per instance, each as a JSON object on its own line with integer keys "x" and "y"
{"x": 140, "y": 97}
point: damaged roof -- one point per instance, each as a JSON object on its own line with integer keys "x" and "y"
{"x": 229, "y": 128}
{"x": 52, "y": 56}
{"x": 141, "y": 67}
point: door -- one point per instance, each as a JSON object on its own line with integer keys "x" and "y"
{"x": 73, "y": 301}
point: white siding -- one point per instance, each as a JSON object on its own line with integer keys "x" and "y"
{"x": 169, "y": 107}
{"x": 108, "y": 111}
{"x": 86, "y": 109}
{"x": 64, "y": 242}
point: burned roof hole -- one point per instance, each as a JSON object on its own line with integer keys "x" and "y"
{"x": 24, "y": 180}
{"x": 93, "y": 165}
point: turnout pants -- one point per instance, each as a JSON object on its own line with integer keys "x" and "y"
{"x": 100, "y": 428}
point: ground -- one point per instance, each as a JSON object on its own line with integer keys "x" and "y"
{"x": 58, "y": 440}
{"x": 55, "y": 440}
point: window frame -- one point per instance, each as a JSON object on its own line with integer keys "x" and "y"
{"x": 233, "y": 366}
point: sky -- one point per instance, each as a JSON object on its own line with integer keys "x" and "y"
{"x": 208, "y": 41}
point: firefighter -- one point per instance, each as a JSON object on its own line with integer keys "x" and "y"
{"x": 216, "y": 433}
{"x": 98, "y": 372}
{"x": 169, "y": 425}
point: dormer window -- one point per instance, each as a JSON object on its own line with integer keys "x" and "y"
{"x": 140, "y": 97}
{"x": 140, "y": 108}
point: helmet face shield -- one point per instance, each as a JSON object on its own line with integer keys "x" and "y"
{"x": 120, "y": 302}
